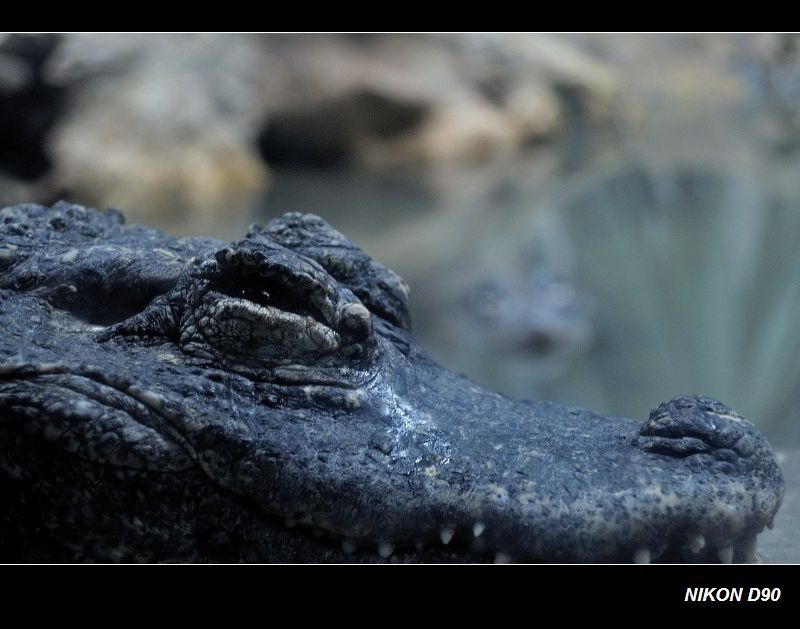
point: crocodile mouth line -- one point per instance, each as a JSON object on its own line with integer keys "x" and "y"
{"x": 467, "y": 544}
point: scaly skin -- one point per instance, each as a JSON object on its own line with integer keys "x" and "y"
{"x": 179, "y": 399}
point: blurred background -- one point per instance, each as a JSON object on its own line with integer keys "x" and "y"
{"x": 601, "y": 220}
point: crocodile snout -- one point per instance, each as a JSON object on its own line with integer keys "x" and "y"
{"x": 724, "y": 464}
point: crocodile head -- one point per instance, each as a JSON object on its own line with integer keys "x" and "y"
{"x": 184, "y": 399}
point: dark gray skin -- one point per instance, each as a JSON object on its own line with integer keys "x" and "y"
{"x": 179, "y": 399}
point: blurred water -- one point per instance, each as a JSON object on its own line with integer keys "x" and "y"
{"x": 691, "y": 263}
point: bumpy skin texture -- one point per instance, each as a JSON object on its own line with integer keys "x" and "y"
{"x": 179, "y": 399}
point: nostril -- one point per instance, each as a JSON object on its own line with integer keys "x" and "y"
{"x": 680, "y": 426}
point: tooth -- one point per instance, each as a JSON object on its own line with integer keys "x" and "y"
{"x": 349, "y": 546}
{"x": 502, "y": 558}
{"x": 748, "y": 550}
{"x": 478, "y": 528}
{"x": 446, "y": 534}
{"x": 641, "y": 556}
{"x": 725, "y": 554}
{"x": 385, "y": 549}
{"x": 697, "y": 543}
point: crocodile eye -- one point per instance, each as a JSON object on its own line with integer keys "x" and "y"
{"x": 260, "y": 305}
{"x": 260, "y": 288}
{"x": 257, "y": 305}
{"x": 379, "y": 289}
{"x": 265, "y": 306}
{"x": 256, "y": 295}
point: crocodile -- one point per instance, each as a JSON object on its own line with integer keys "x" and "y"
{"x": 168, "y": 399}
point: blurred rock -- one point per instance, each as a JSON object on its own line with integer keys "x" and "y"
{"x": 29, "y": 107}
{"x": 161, "y": 124}
{"x": 179, "y": 127}
{"x": 426, "y": 98}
